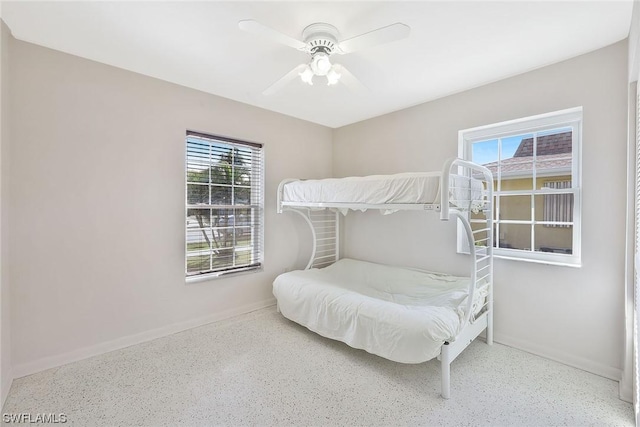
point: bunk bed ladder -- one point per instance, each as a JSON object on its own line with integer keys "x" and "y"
{"x": 326, "y": 239}
{"x": 325, "y": 235}
{"x": 457, "y": 202}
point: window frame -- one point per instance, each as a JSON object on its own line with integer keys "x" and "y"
{"x": 257, "y": 191}
{"x": 569, "y": 118}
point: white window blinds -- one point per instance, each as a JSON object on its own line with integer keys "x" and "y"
{"x": 636, "y": 308}
{"x": 224, "y": 205}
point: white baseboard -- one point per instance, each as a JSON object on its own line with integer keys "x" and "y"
{"x": 39, "y": 365}
{"x": 560, "y": 356}
{"x": 626, "y": 390}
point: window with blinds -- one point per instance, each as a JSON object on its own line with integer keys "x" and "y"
{"x": 224, "y": 205}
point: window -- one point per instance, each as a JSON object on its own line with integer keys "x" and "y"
{"x": 535, "y": 163}
{"x": 224, "y": 205}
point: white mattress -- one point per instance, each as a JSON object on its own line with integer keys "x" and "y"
{"x": 400, "y": 314}
{"x": 403, "y": 188}
{"x": 374, "y": 189}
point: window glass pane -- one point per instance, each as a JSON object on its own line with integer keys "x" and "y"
{"x": 515, "y": 208}
{"x": 221, "y": 173}
{"x": 521, "y": 183}
{"x": 486, "y": 154}
{"x": 243, "y": 227}
{"x": 517, "y": 148}
{"x": 198, "y": 218}
{"x": 558, "y": 239}
{"x": 221, "y": 195}
{"x": 222, "y": 221}
{"x": 197, "y": 161}
{"x": 555, "y": 182}
{"x": 198, "y": 231}
{"x": 554, "y": 152}
{"x": 515, "y": 236}
{"x": 222, "y": 218}
{"x": 554, "y": 207}
{"x": 221, "y": 153}
{"x": 516, "y": 163}
{"x": 243, "y": 256}
{"x": 196, "y": 173}
{"x": 197, "y": 194}
{"x": 243, "y": 238}
{"x": 242, "y": 195}
{"x": 244, "y": 217}
{"x": 198, "y": 240}
{"x": 196, "y": 264}
{"x": 223, "y": 258}
{"x": 242, "y": 168}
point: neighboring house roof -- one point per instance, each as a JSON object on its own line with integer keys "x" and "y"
{"x": 553, "y": 152}
{"x": 547, "y": 144}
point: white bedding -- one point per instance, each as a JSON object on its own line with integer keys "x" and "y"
{"x": 403, "y": 188}
{"x": 374, "y": 189}
{"x": 400, "y": 314}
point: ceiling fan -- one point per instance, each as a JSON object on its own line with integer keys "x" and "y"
{"x": 321, "y": 40}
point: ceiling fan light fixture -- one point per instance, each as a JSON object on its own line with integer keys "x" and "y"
{"x": 306, "y": 75}
{"x": 333, "y": 76}
{"x": 320, "y": 64}
{"x": 321, "y": 40}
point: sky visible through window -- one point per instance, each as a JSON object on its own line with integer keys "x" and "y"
{"x": 487, "y": 151}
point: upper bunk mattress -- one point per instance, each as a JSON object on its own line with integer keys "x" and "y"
{"x": 400, "y": 314}
{"x": 374, "y": 189}
{"x": 402, "y": 188}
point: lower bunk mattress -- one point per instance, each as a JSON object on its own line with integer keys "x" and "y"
{"x": 400, "y": 314}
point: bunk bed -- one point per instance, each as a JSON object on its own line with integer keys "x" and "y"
{"x": 401, "y": 314}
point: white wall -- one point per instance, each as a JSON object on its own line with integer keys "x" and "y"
{"x": 570, "y": 314}
{"x": 96, "y": 205}
{"x": 6, "y": 374}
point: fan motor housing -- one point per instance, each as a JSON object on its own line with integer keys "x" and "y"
{"x": 321, "y": 37}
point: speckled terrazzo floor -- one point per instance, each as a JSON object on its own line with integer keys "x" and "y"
{"x": 261, "y": 369}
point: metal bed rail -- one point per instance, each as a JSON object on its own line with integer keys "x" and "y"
{"x": 479, "y": 239}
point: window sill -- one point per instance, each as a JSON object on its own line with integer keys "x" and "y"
{"x": 222, "y": 275}
{"x": 534, "y": 257}
{"x": 540, "y": 261}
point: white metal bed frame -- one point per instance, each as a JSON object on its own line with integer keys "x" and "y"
{"x": 323, "y": 220}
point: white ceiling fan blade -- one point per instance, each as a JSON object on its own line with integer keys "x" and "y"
{"x": 349, "y": 80}
{"x": 254, "y": 27}
{"x": 377, "y": 37}
{"x": 284, "y": 80}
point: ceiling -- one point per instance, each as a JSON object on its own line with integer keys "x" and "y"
{"x": 453, "y": 45}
